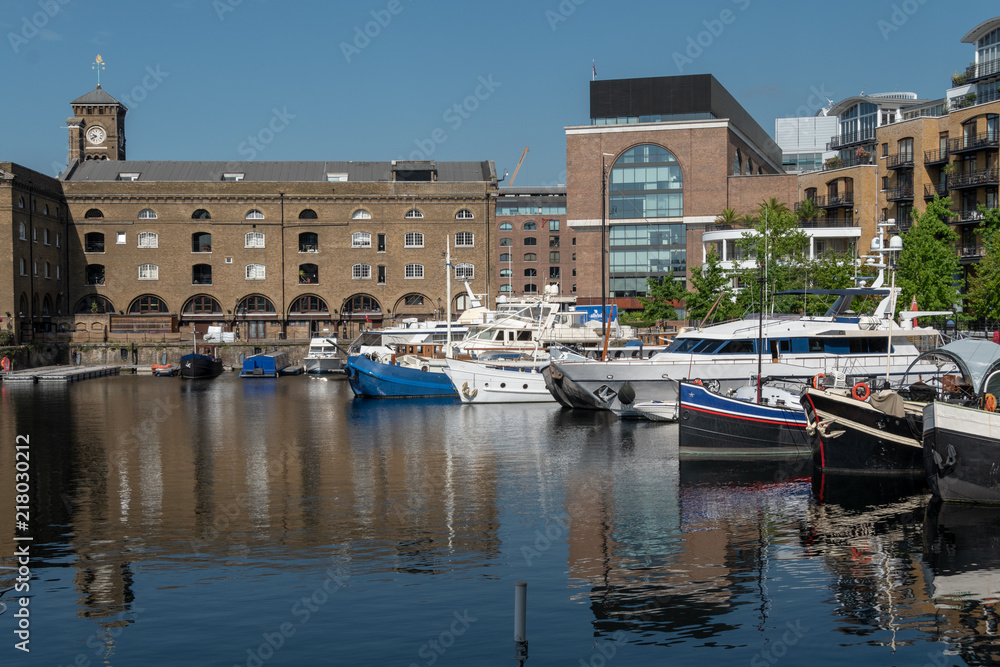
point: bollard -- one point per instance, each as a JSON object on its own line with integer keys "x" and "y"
{"x": 520, "y": 621}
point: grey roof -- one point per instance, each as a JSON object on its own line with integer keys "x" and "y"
{"x": 273, "y": 172}
{"x": 96, "y": 96}
{"x": 986, "y": 26}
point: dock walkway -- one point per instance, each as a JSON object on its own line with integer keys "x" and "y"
{"x": 59, "y": 373}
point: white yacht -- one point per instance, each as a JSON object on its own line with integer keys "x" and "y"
{"x": 324, "y": 356}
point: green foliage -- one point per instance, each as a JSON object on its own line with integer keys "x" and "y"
{"x": 990, "y": 222}
{"x": 729, "y": 218}
{"x": 808, "y": 210}
{"x": 658, "y": 304}
{"x": 984, "y": 285}
{"x": 777, "y": 242}
{"x": 928, "y": 264}
{"x": 708, "y": 284}
{"x": 6, "y": 337}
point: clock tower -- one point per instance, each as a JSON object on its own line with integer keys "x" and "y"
{"x": 97, "y": 127}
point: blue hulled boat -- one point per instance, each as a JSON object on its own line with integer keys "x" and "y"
{"x": 374, "y": 378}
{"x": 267, "y": 365}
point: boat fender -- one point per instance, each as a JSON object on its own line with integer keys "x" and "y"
{"x": 696, "y": 382}
{"x": 818, "y": 381}
{"x": 989, "y": 401}
{"x": 861, "y": 391}
{"x": 424, "y": 368}
{"x": 5, "y": 364}
{"x": 626, "y": 394}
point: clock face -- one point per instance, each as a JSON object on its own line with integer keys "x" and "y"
{"x": 96, "y": 135}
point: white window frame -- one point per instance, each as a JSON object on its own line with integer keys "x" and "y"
{"x": 233, "y": 177}
{"x": 361, "y": 214}
{"x": 254, "y": 214}
{"x": 147, "y": 214}
{"x": 120, "y": 238}
{"x": 148, "y": 240}
{"x": 256, "y": 272}
{"x": 465, "y": 235}
{"x": 413, "y": 272}
{"x": 361, "y": 240}
{"x": 337, "y": 177}
{"x": 413, "y": 214}
{"x": 253, "y": 240}
{"x": 465, "y": 271}
{"x": 465, "y": 214}
{"x": 128, "y": 176}
{"x": 410, "y": 240}
{"x": 149, "y": 272}
{"x": 361, "y": 272}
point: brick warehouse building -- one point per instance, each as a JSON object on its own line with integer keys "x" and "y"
{"x": 269, "y": 248}
{"x": 669, "y": 154}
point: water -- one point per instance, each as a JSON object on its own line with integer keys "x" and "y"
{"x": 263, "y": 522}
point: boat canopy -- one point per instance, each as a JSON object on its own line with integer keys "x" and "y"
{"x": 976, "y": 358}
{"x": 844, "y": 297}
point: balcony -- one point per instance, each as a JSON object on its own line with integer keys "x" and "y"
{"x": 985, "y": 141}
{"x": 94, "y": 278}
{"x": 974, "y": 179}
{"x": 982, "y": 70}
{"x": 851, "y": 138}
{"x": 840, "y": 163}
{"x": 827, "y": 222}
{"x": 971, "y": 252}
{"x": 834, "y": 201}
{"x": 902, "y": 193}
{"x": 934, "y": 189}
{"x": 899, "y": 161}
{"x": 308, "y": 247}
{"x": 938, "y": 156}
{"x": 966, "y": 215}
{"x": 93, "y": 246}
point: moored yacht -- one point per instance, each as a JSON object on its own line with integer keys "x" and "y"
{"x": 324, "y": 356}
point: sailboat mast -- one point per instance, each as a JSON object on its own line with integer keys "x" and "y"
{"x": 447, "y": 282}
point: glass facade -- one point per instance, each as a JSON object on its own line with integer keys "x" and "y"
{"x": 654, "y": 118}
{"x": 638, "y": 252}
{"x": 531, "y": 210}
{"x": 646, "y": 182}
{"x": 802, "y": 161}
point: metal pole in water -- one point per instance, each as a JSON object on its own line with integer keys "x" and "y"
{"x": 520, "y": 621}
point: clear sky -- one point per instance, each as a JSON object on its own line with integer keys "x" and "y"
{"x": 388, "y": 79}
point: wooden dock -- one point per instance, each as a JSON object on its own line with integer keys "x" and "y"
{"x": 59, "y": 373}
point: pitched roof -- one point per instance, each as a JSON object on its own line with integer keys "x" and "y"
{"x": 96, "y": 96}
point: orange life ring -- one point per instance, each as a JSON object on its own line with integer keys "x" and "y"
{"x": 5, "y": 363}
{"x": 818, "y": 381}
{"x": 861, "y": 391}
{"x": 989, "y": 403}
{"x": 695, "y": 381}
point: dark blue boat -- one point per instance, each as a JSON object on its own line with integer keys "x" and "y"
{"x": 264, "y": 365}
{"x": 373, "y": 378}
{"x": 200, "y": 366}
{"x": 710, "y": 424}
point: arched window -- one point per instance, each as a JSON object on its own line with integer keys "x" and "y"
{"x": 308, "y": 274}
{"x": 307, "y": 214}
{"x": 362, "y": 303}
{"x": 506, "y": 226}
{"x": 47, "y": 306}
{"x": 20, "y": 202}
{"x": 309, "y": 304}
{"x": 506, "y": 273}
{"x": 255, "y": 304}
{"x": 464, "y": 214}
{"x": 149, "y": 272}
{"x": 201, "y": 242}
{"x": 92, "y": 303}
{"x": 22, "y": 232}
{"x": 737, "y": 162}
{"x": 464, "y": 240}
{"x": 361, "y": 272}
{"x": 361, "y": 240}
{"x": 147, "y": 214}
{"x": 94, "y": 274}
{"x": 147, "y": 303}
{"x": 413, "y": 240}
{"x": 530, "y": 273}
{"x": 254, "y": 240}
{"x": 530, "y": 257}
{"x": 413, "y": 271}
{"x": 646, "y": 182}
{"x": 749, "y": 171}
{"x": 530, "y": 288}
{"x": 505, "y": 257}
{"x": 254, "y": 214}
{"x": 255, "y": 272}
{"x": 506, "y": 241}
{"x": 24, "y": 266}
{"x": 201, "y": 304}
{"x": 148, "y": 240}
{"x": 530, "y": 240}
{"x": 201, "y": 214}
{"x": 361, "y": 214}
{"x": 530, "y": 226}
{"x": 506, "y": 289}
{"x": 201, "y": 274}
{"x": 93, "y": 214}
{"x": 465, "y": 271}
{"x": 413, "y": 214}
{"x": 308, "y": 242}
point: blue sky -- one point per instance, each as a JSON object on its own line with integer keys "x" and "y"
{"x": 387, "y": 79}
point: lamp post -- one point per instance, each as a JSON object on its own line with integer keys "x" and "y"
{"x": 604, "y": 258}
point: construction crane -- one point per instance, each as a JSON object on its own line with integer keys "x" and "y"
{"x": 514, "y": 175}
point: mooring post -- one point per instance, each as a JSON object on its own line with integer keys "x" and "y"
{"x": 520, "y": 621}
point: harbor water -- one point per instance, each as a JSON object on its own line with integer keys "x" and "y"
{"x": 284, "y": 522}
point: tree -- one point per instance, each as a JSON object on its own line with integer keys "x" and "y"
{"x": 658, "y": 304}
{"x": 776, "y": 242}
{"x": 808, "y": 211}
{"x": 709, "y": 283}
{"x": 729, "y": 218}
{"x": 984, "y": 284}
{"x": 928, "y": 264}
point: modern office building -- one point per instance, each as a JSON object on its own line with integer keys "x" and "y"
{"x": 803, "y": 141}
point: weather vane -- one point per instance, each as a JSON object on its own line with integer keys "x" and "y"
{"x": 98, "y": 65}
